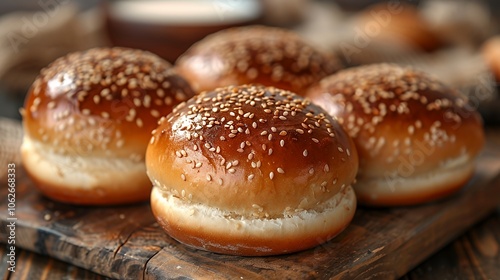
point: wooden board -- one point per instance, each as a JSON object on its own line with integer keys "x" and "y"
{"x": 125, "y": 242}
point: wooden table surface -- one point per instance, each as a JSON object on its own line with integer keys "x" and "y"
{"x": 474, "y": 255}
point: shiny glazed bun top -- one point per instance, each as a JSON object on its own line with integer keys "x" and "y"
{"x": 87, "y": 122}
{"x": 255, "y": 54}
{"x": 395, "y": 113}
{"x": 251, "y": 151}
{"x": 102, "y": 101}
{"x": 417, "y": 138}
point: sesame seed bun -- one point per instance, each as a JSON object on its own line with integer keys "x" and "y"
{"x": 258, "y": 55}
{"x": 251, "y": 170}
{"x": 398, "y": 23}
{"x": 87, "y": 122}
{"x": 416, "y": 137}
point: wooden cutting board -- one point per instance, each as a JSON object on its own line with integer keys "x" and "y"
{"x": 126, "y": 242}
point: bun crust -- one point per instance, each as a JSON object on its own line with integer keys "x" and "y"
{"x": 252, "y": 153}
{"x": 258, "y": 55}
{"x": 400, "y": 23}
{"x": 97, "y": 108}
{"x": 406, "y": 125}
{"x": 210, "y": 229}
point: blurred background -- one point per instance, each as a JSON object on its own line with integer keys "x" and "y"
{"x": 454, "y": 40}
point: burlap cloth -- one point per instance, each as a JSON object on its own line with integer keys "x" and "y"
{"x": 29, "y": 41}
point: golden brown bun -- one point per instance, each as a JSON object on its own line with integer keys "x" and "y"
{"x": 397, "y": 22}
{"x": 416, "y": 137}
{"x": 258, "y": 55}
{"x": 239, "y": 155}
{"x": 87, "y": 122}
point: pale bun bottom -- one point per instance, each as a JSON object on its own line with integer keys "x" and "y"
{"x": 413, "y": 190}
{"x": 84, "y": 179}
{"x": 215, "y": 230}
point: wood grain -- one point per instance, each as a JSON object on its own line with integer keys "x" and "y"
{"x": 125, "y": 242}
{"x": 474, "y": 255}
{"x": 35, "y": 266}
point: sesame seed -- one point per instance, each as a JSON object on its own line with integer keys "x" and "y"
{"x": 250, "y": 177}
{"x": 282, "y": 142}
{"x": 139, "y": 122}
{"x": 271, "y": 175}
{"x": 120, "y": 142}
{"x": 168, "y": 100}
{"x": 305, "y": 153}
{"x": 183, "y": 177}
{"x": 155, "y": 113}
{"x": 311, "y": 171}
{"x": 209, "y": 178}
{"x": 411, "y": 129}
{"x": 105, "y": 92}
{"x": 326, "y": 168}
{"x": 280, "y": 170}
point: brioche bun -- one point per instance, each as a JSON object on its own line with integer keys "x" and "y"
{"x": 251, "y": 170}
{"x": 87, "y": 122}
{"x": 416, "y": 137}
{"x": 255, "y": 54}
